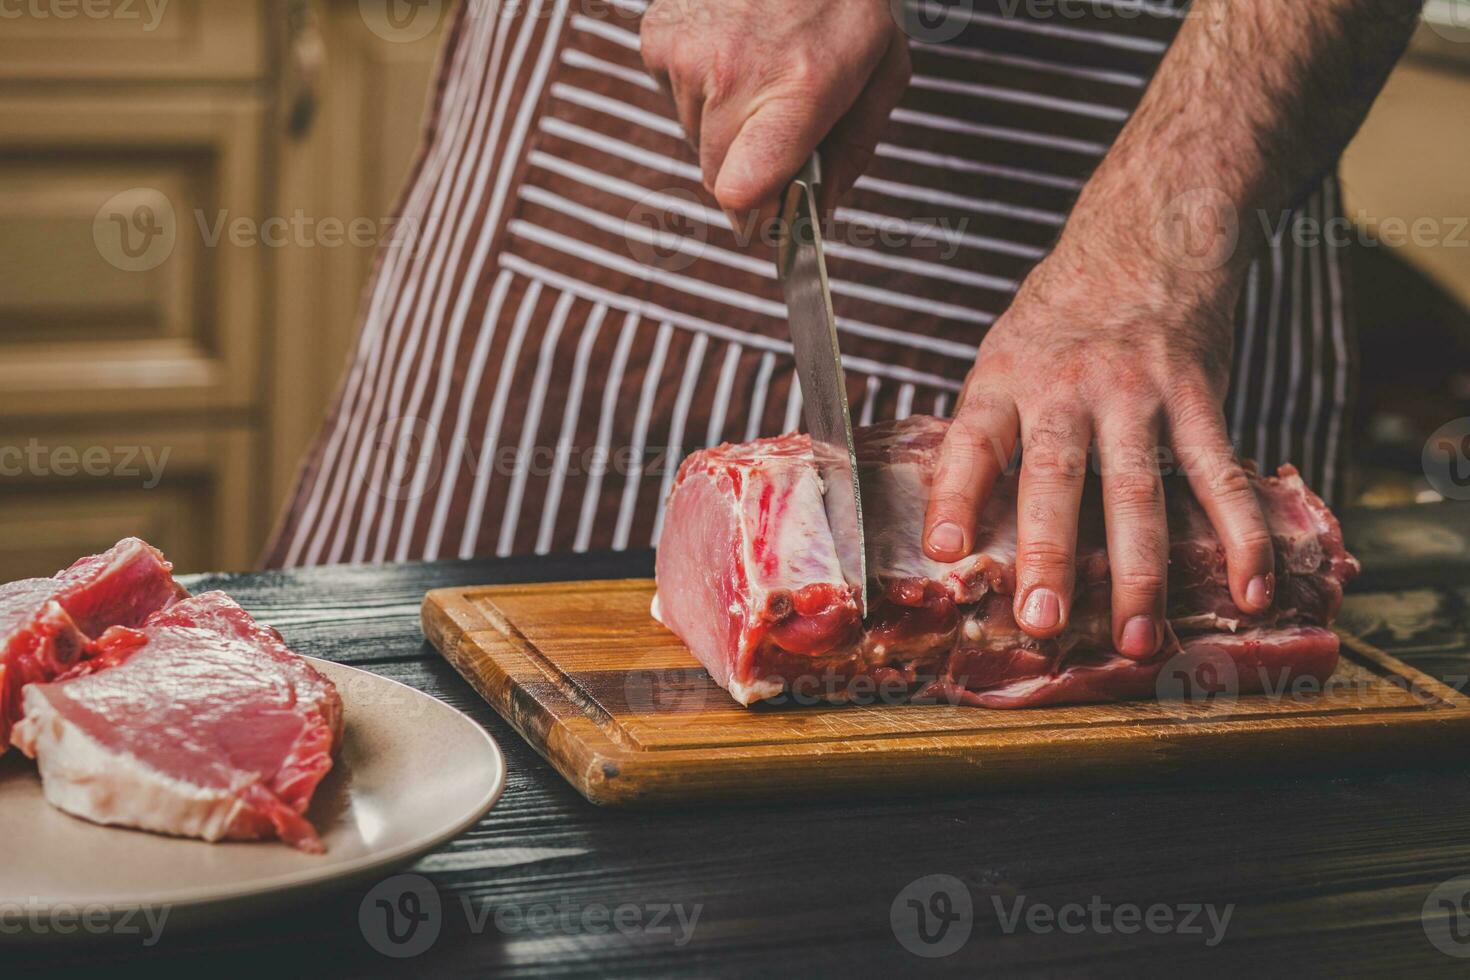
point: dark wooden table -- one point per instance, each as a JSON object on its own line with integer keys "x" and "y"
{"x": 1324, "y": 875}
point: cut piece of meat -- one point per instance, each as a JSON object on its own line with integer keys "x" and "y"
{"x": 199, "y": 723}
{"x": 757, "y": 572}
{"x": 748, "y": 577}
{"x": 46, "y": 624}
{"x": 1208, "y": 666}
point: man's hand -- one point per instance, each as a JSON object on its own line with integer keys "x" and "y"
{"x": 1122, "y": 335}
{"x": 1095, "y": 352}
{"x": 760, "y": 84}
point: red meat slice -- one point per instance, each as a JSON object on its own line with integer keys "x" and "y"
{"x": 749, "y": 578}
{"x": 1206, "y": 667}
{"x": 200, "y": 723}
{"x": 46, "y": 624}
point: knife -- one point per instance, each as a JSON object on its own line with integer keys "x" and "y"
{"x": 803, "y": 273}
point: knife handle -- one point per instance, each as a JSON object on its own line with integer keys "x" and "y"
{"x": 811, "y": 172}
{"x": 810, "y": 177}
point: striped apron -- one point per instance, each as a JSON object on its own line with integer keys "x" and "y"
{"x": 565, "y": 313}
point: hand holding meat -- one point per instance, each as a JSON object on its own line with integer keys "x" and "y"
{"x": 1136, "y": 360}
{"x": 1122, "y": 338}
{"x": 749, "y": 578}
{"x": 760, "y": 84}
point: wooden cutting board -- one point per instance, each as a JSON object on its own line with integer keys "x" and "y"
{"x": 621, "y": 708}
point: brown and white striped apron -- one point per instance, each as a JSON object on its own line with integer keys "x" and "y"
{"x": 568, "y": 313}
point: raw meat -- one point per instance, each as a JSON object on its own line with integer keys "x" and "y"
{"x": 200, "y": 723}
{"x": 748, "y": 577}
{"x": 46, "y": 624}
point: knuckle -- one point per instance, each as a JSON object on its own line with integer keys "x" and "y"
{"x": 1135, "y": 492}
{"x": 950, "y": 502}
{"x": 1192, "y": 404}
{"x": 977, "y": 402}
{"x": 654, "y": 40}
{"x": 973, "y": 433}
{"x": 1139, "y": 584}
{"x": 984, "y": 448}
{"x": 1129, "y": 391}
{"x": 971, "y": 446}
{"x": 1129, "y": 460}
{"x": 682, "y": 72}
{"x": 804, "y": 71}
{"x": 1230, "y": 485}
{"x": 1055, "y": 450}
{"x": 1256, "y": 541}
{"x": 957, "y": 468}
{"x": 1129, "y": 385}
{"x": 720, "y": 78}
{"x": 1054, "y": 467}
{"x": 653, "y": 57}
{"x": 967, "y": 425}
{"x": 1056, "y": 426}
{"x": 1046, "y": 556}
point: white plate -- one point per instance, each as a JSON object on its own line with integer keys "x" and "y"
{"x": 412, "y": 774}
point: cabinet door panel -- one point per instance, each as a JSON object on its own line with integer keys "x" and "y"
{"x": 126, "y": 289}
{"x": 68, "y": 494}
{"x": 133, "y": 39}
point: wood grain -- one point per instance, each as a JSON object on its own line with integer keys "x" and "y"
{"x": 1328, "y": 875}
{"x": 623, "y": 711}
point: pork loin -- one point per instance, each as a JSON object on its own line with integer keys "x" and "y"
{"x": 199, "y": 723}
{"x": 749, "y": 578}
{"x": 46, "y": 624}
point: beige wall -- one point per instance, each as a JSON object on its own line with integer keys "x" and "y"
{"x": 1411, "y": 161}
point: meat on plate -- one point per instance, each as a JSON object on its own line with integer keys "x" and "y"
{"x": 145, "y": 707}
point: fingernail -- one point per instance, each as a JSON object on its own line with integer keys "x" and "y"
{"x": 946, "y": 538}
{"x": 1043, "y": 609}
{"x": 1140, "y": 637}
{"x": 1258, "y": 592}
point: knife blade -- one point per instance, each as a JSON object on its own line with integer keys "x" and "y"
{"x": 803, "y": 273}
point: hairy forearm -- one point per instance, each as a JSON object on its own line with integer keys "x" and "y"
{"x": 1254, "y": 100}
{"x": 1129, "y": 321}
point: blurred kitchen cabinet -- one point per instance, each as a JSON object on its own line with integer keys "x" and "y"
{"x": 191, "y": 194}
{"x": 127, "y": 40}
{"x": 84, "y": 326}
{"x": 132, "y": 322}
{"x": 67, "y": 493}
